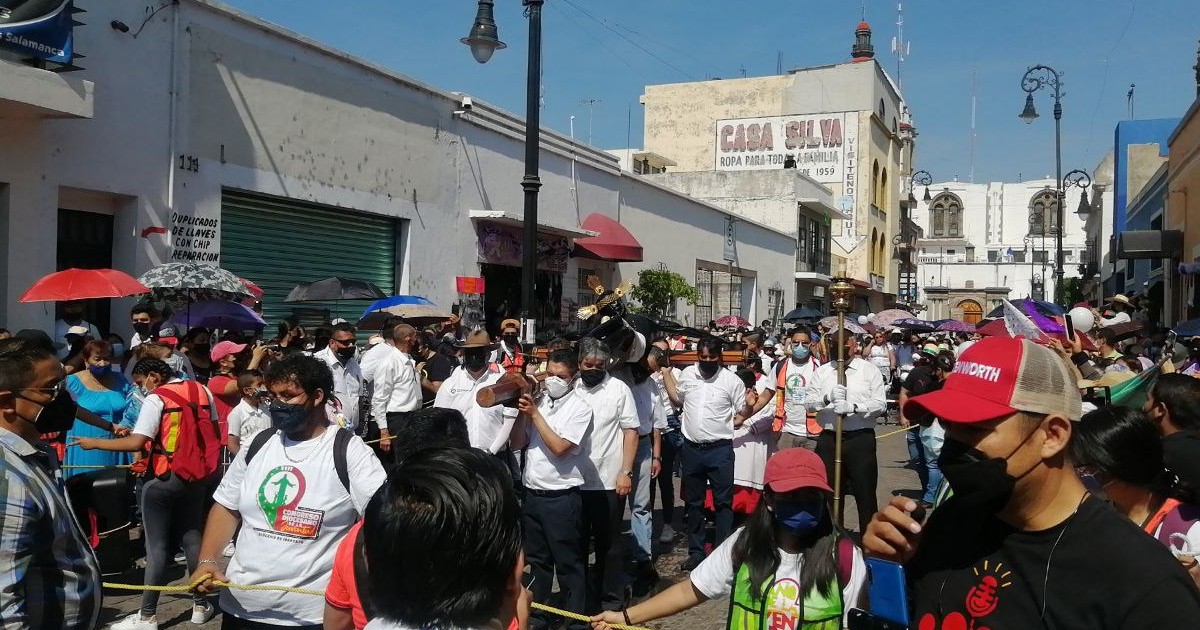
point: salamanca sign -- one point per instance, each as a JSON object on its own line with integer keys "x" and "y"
{"x": 41, "y": 29}
{"x": 816, "y": 141}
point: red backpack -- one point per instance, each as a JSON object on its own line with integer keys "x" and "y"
{"x": 188, "y": 443}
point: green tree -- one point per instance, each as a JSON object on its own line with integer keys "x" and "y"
{"x": 657, "y": 290}
{"x": 1072, "y": 292}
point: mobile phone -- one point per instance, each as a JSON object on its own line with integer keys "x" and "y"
{"x": 888, "y": 591}
{"x": 1070, "y": 325}
{"x": 862, "y": 620}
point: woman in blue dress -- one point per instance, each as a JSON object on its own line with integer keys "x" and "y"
{"x": 103, "y": 391}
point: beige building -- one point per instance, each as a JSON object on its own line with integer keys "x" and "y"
{"x": 844, "y": 126}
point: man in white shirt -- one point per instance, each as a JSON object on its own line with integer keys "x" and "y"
{"x": 1121, "y": 307}
{"x": 488, "y": 428}
{"x": 377, "y": 350}
{"x": 611, "y": 448}
{"x": 142, "y": 317}
{"x": 714, "y": 401}
{"x": 397, "y": 389}
{"x": 551, "y": 432}
{"x": 72, "y": 316}
{"x": 792, "y": 377}
{"x": 754, "y": 348}
{"x": 860, "y": 401}
{"x": 347, "y": 374}
{"x": 646, "y": 466}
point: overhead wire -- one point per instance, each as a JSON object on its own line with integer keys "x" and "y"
{"x": 1104, "y": 77}
{"x": 635, "y": 44}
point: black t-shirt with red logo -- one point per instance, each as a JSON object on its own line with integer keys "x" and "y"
{"x": 974, "y": 572}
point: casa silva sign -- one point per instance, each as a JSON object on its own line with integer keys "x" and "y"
{"x": 816, "y": 141}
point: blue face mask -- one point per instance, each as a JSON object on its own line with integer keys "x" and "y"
{"x": 801, "y": 353}
{"x": 99, "y": 370}
{"x": 799, "y": 518}
{"x": 288, "y": 418}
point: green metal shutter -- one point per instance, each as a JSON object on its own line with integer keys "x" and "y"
{"x": 278, "y": 243}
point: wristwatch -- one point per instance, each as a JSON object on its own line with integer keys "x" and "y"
{"x": 628, "y": 473}
{"x": 656, "y": 458}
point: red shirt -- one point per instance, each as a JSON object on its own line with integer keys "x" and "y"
{"x": 225, "y": 402}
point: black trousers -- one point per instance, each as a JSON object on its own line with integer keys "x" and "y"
{"x": 553, "y": 523}
{"x": 705, "y": 465}
{"x": 672, "y": 442}
{"x": 860, "y": 468}
{"x": 602, "y": 514}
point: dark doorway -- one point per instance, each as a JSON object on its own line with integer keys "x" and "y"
{"x": 502, "y": 298}
{"x": 85, "y": 242}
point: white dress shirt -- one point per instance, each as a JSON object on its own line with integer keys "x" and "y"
{"x": 570, "y": 418}
{"x": 864, "y": 387}
{"x": 613, "y": 409}
{"x": 649, "y": 406}
{"x": 397, "y": 387}
{"x": 751, "y": 445}
{"x": 488, "y": 429}
{"x": 709, "y": 405}
{"x": 347, "y": 385}
{"x": 667, "y": 405}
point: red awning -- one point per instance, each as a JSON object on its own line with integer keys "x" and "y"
{"x": 614, "y": 243}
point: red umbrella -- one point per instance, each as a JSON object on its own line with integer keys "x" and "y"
{"x": 732, "y": 321}
{"x": 82, "y": 284}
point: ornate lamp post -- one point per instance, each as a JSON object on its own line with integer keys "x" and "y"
{"x": 923, "y": 178}
{"x": 840, "y": 293}
{"x": 484, "y": 40}
{"x": 1036, "y": 78}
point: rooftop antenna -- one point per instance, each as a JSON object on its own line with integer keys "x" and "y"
{"x": 591, "y": 103}
{"x": 900, "y": 46}
{"x": 779, "y": 62}
{"x": 1129, "y": 100}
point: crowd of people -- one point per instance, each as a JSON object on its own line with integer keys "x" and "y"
{"x": 375, "y": 474}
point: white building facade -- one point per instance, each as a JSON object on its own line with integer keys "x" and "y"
{"x": 984, "y": 243}
{"x": 214, "y": 136}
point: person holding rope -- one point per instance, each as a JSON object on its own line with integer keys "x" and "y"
{"x": 297, "y": 489}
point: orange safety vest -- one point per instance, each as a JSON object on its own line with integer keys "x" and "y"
{"x": 515, "y": 363}
{"x": 810, "y": 418}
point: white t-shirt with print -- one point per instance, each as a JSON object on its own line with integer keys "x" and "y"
{"x": 751, "y": 441}
{"x": 795, "y": 384}
{"x": 714, "y": 578}
{"x": 294, "y": 513}
{"x": 247, "y": 421}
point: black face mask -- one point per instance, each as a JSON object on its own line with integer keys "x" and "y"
{"x": 141, "y": 328}
{"x": 475, "y": 361}
{"x": 345, "y": 354}
{"x": 592, "y": 378}
{"x": 201, "y": 348}
{"x": 708, "y": 369}
{"x": 976, "y": 479}
{"x": 510, "y": 340}
{"x": 56, "y": 415}
{"x": 289, "y": 418}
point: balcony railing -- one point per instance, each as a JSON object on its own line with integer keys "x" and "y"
{"x": 942, "y": 258}
{"x": 814, "y": 263}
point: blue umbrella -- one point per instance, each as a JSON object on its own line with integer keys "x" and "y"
{"x": 414, "y": 309}
{"x": 219, "y": 314}
{"x": 1190, "y": 328}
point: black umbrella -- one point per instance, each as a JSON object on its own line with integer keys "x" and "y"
{"x": 802, "y": 314}
{"x": 334, "y": 289}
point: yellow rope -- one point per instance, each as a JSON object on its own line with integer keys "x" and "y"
{"x": 891, "y": 433}
{"x": 305, "y": 591}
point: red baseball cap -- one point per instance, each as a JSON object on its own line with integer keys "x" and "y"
{"x": 999, "y": 376}
{"x": 795, "y": 468}
{"x": 224, "y": 349}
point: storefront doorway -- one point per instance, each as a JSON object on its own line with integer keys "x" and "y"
{"x": 502, "y": 297}
{"x": 85, "y": 242}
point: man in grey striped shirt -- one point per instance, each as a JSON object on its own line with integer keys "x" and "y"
{"x": 49, "y": 576}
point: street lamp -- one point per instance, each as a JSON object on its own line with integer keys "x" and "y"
{"x": 1036, "y": 78}
{"x": 1028, "y": 240}
{"x": 483, "y": 41}
{"x": 1082, "y": 180}
{"x": 923, "y": 178}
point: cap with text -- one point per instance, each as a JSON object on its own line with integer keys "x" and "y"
{"x": 999, "y": 376}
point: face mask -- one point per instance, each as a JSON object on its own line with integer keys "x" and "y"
{"x": 345, "y": 354}
{"x": 99, "y": 370}
{"x": 799, "y": 518}
{"x": 592, "y": 378}
{"x": 475, "y": 361}
{"x": 1093, "y": 484}
{"x": 980, "y": 481}
{"x": 56, "y": 415}
{"x": 801, "y": 353}
{"x": 510, "y": 340}
{"x": 556, "y": 387}
{"x": 118, "y": 350}
{"x": 141, "y": 328}
{"x": 708, "y": 369}
{"x": 288, "y": 418}
{"x": 201, "y": 348}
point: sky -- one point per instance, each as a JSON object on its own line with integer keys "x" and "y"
{"x": 599, "y": 54}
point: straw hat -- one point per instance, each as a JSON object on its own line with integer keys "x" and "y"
{"x": 478, "y": 339}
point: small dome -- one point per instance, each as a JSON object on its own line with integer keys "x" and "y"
{"x": 863, "y": 26}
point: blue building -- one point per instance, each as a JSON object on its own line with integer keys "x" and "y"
{"x": 1134, "y": 165}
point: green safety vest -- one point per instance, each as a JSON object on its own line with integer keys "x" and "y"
{"x": 817, "y": 611}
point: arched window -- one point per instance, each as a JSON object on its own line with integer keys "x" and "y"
{"x": 872, "y": 264}
{"x": 881, "y": 258}
{"x": 946, "y": 214}
{"x": 972, "y": 312}
{"x": 882, "y": 202}
{"x": 1043, "y": 213}
{"x": 875, "y": 183}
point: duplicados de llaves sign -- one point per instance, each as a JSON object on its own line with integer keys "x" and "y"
{"x": 816, "y": 141}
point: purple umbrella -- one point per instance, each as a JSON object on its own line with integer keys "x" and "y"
{"x": 219, "y": 314}
{"x": 956, "y": 326}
